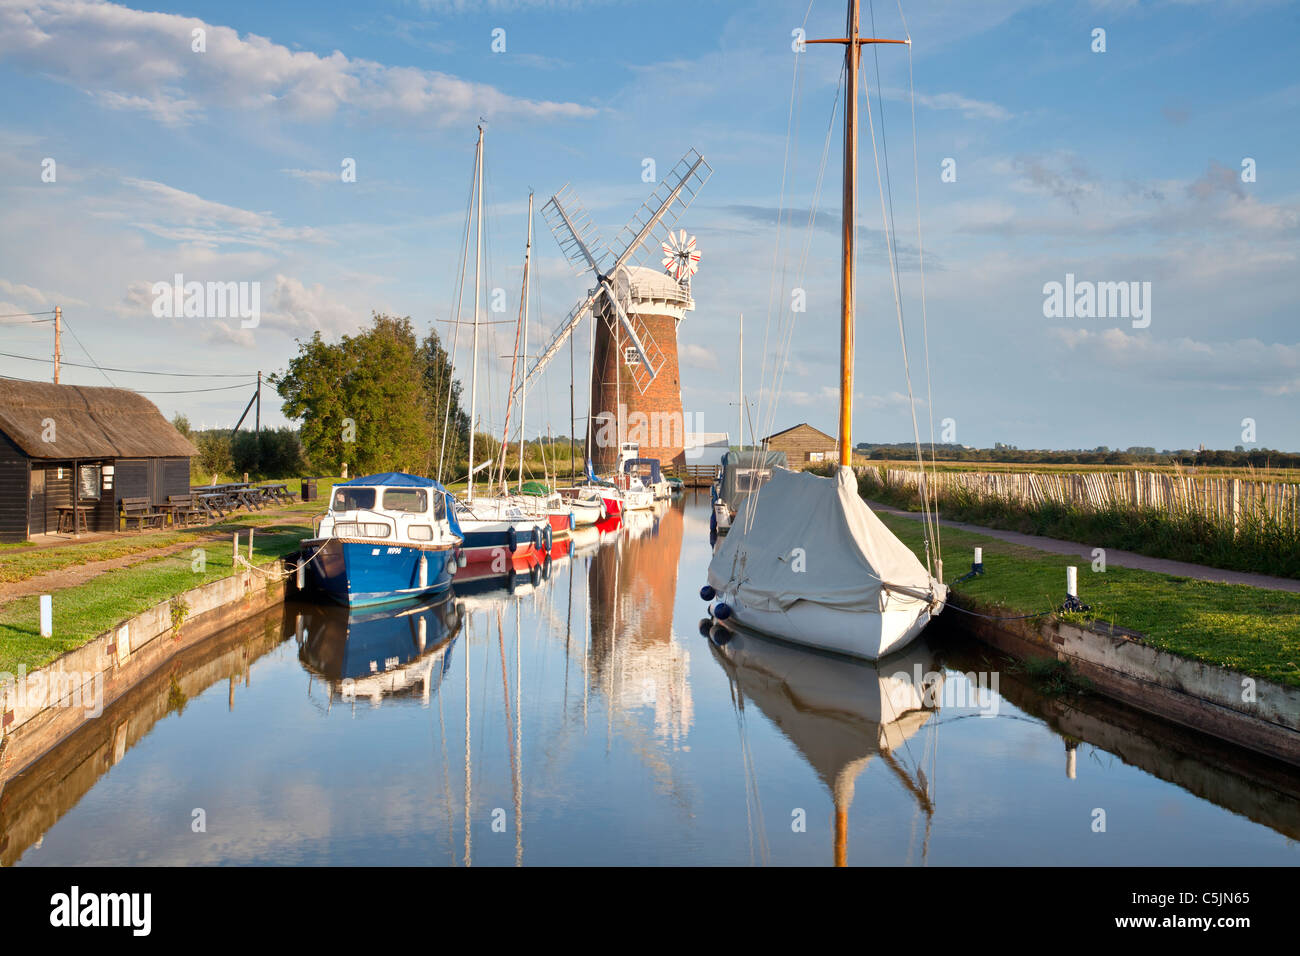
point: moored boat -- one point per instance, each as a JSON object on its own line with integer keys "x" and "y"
{"x": 387, "y": 537}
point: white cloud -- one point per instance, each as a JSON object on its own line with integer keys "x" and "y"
{"x": 1274, "y": 368}
{"x": 697, "y": 356}
{"x": 171, "y": 213}
{"x": 143, "y": 61}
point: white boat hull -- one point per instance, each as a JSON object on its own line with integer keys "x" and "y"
{"x": 863, "y": 634}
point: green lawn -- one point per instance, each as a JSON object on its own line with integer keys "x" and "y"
{"x": 19, "y": 563}
{"x": 89, "y": 609}
{"x": 1253, "y": 630}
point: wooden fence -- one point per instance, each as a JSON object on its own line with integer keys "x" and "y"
{"x": 1223, "y": 501}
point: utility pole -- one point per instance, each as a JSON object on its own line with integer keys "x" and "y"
{"x": 58, "y": 344}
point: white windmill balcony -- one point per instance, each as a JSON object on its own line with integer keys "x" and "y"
{"x": 650, "y": 292}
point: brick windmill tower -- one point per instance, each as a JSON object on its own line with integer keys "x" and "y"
{"x": 636, "y": 393}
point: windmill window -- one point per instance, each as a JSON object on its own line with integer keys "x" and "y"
{"x": 630, "y": 355}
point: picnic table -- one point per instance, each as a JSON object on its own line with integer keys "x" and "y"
{"x": 73, "y": 517}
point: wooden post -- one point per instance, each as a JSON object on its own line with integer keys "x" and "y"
{"x": 58, "y": 344}
{"x": 1236, "y": 506}
{"x": 250, "y": 545}
{"x": 234, "y": 553}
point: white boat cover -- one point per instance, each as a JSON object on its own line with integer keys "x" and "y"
{"x": 849, "y": 561}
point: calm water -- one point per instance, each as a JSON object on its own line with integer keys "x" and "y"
{"x": 585, "y": 719}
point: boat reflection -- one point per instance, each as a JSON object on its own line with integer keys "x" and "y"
{"x": 393, "y": 652}
{"x": 838, "y": 712}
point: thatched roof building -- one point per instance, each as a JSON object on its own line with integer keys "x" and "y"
{"x": 66, "y": 445}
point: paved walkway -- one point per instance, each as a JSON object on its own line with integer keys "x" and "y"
{"x": 1122, "y": 559}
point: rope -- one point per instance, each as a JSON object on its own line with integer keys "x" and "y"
{"x": 891, "y": 254}
{"x": 275, "y": 575}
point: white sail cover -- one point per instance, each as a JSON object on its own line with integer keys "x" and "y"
{"x": 850, "y": 560}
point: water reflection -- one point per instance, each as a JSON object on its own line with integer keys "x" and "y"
{"x": 399, "y": 651}
{"x": 569, "y": 711}
{"x": 839, "y": 713}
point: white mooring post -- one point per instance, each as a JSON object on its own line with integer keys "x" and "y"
{"x": 979, "y": 559}
{"x": 47, "y": 615}
{"x": 302, "y": 573}
{"x": 1072, "y": 582}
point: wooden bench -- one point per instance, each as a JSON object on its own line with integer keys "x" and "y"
{"x": 185, "y": 508}
{"x": 139, "y": 510}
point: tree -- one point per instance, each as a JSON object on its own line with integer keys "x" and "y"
{"x": 367, "y": 399}
{"x": 443, "y": 390}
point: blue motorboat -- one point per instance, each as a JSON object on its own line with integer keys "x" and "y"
{"x": 387, "y": 537}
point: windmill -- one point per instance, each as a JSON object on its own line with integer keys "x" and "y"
{"x": 582, "y": 246}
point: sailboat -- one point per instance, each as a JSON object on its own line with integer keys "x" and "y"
{"x": 492, "y": 528}
{"x": 805, "y": 559}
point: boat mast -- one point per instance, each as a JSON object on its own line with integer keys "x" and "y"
{"x": 740, "y": 397}
{"x": 478, "y": 262}
{"x": 848, "y": 215}
{"x": 523, "y": 396}
{"x": 853, "y": 43}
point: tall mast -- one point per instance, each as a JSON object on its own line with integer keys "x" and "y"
{"x": 740, "y": 402}
{"x": 523, "y": 395}
{"x": 478, "y": 262}
{"x": 853, "y": 43}
{"x": 848, "y": 213}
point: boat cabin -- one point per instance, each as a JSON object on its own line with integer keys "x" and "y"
{"x": 392, "y": 506}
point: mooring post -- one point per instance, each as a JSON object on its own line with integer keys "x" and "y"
{"x": 47, "y": 615}
{"x": 250, "y": 545}
{"x": 1072, "y": 582}
{"x": 301, "y": 580}
{"x": 978, "y": 565}
{"x": 1071, "y": 762}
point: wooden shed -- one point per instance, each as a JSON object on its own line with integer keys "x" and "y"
{"x": 803, "y": 445}
{"x": 72, "y": 445}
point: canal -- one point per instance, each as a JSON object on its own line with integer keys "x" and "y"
{"x": 584, "y": 719}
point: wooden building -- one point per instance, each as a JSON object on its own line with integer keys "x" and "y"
{"x": 71, "y": 445}
{"x": 803, "y": 445}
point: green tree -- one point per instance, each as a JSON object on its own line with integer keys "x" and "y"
{"x": 366, "y": 400}
{"x": 443, "y": 391}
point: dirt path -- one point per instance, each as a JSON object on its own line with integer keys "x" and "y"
{"x": 1122, "y": 559}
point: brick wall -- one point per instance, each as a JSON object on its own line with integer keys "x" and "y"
{"x": 654, "y": 419}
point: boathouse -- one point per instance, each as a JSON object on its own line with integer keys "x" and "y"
{"x": 803, "y": 445}
{"x": 70, "y": 448}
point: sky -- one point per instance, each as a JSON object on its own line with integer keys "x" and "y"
{"x": 1169, "y": 160}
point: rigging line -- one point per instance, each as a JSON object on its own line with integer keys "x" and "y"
{"x": 20, "y": 315}
{"x": 920, "y": 251}
{"x": 898, "y": 308}
{"x": 932, "y": 522}
{"x": 455, "y": 336}
{"x": 790, "y": 137}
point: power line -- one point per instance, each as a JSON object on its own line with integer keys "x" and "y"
{"x": 21, "y": 315}
{"x": 129, "y": 371}
{"x": 187, "y": 391}
{"x": 88, "y": 355}
{"x": 181, "y": 391}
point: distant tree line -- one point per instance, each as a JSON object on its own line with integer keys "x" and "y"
{"x": 272, "y": 453}
{"x": 1102, "y": 455}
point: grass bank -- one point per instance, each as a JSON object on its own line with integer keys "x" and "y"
{"x": 106, "y": 600}
{"x": 1260, "y": 546}
{"x": 1249, "y": 629}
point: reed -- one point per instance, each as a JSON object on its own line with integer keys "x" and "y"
{"x": 1220, "y": 522}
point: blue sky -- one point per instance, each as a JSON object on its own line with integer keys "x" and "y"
{"x": 1122, "y": 166}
